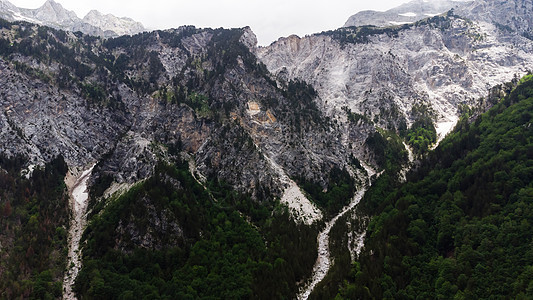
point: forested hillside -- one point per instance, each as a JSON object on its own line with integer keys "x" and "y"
{"x": 33, "y": 229}
{"x": 461, "y": 227}
{"x": 168, "y": 237}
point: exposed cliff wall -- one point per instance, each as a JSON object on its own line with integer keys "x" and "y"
{"x": 381, "y": 73}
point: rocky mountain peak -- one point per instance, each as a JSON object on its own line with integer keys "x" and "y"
{"x": 113, "y": 24}
{"x": 53, "y": 14}
{"x": 54, "y": 4}
{"x": 249, "y": 39}
{"x": 93, "y": 14}
{"x": 5, "y": 3}
{"x": 6, "y": 9}
{"x": 381, "y": 74}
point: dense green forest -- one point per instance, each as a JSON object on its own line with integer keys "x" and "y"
{"x": 461, "y": 227}
{"x": 227, "y": 246}
{"x": 33, "y": 229}
{"x": 341, "y": 188}
{"x": 422, "y": 133}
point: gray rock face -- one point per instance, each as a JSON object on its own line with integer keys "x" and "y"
{"x": 53, "y": 14}
{"x": 133, "y": 101}
{"x": 134, "y": 104}
{"x": 444, "y": 62}
{"x": 509, "y": 16}
{"x": 249, "y": 39}
{"x": 111, "y": 25}
{"x": 40, "y": 122}
{"x": 406, "y": 13}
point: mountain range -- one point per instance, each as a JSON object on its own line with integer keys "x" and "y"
{"x": 381, "y": 73}
{"x": 190, "y": 163}
{"x": 53, "y": 14}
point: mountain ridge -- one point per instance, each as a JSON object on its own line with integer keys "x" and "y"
{"x": 380, "y": 73}
{"x": 53, "y": 14}
{"x": 406, "y": 13}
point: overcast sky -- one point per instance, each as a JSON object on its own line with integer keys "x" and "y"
{"x": 269, "y": 19}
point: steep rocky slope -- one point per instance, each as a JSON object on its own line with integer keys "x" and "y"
{"x": 508, "y": 16}
{"x": 382, "y": 73}
{"x": 129, "y": 102}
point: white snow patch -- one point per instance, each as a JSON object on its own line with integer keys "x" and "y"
{"x": 410, "y": 154}
{"x": 299, "y": 204}
{"x": 411, "y": 157}
{"x": 408, "y": 14}
{"x": 79, "y": 202}
{"x": 359, "y": 243}
{"x": 399, "y": 23}
{"x": 199, "y": 177}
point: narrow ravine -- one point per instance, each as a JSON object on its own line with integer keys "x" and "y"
{"x": 323, "y": 261}
{"x": 409, "y": 165}
{"x": 79, "y": 197}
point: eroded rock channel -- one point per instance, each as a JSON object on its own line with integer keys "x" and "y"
{"x": 79, "y": 199}
{"x": 324, "y": 261}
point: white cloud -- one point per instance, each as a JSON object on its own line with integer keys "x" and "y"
{"x": 268, "y": 19}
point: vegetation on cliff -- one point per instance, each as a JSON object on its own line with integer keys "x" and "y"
{"x": 461, "y": 226}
